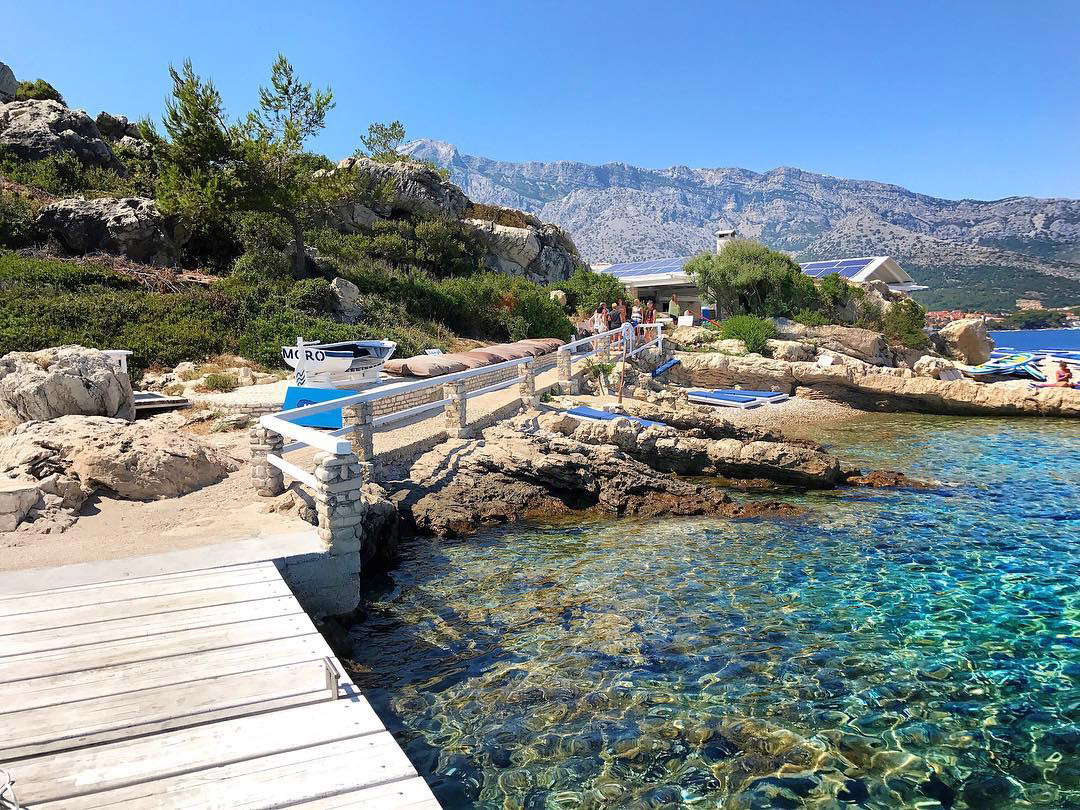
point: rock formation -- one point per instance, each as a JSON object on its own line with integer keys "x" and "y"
{"x": 967, "y": 341}
{"x": 875, "y": 388}
{"x": 115, "y": 127}
{"x": 69, "y": 458}
{"x": 8, "y": 83}
{"x": 125, "y": 226}
{"x": 61, "y": 381}
{"x": 34, "y": 130}
{"x": 414, "y": 188}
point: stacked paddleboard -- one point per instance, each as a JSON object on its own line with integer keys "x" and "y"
{"x": 736, "y": 398}
{"x": 1023, "y": 364}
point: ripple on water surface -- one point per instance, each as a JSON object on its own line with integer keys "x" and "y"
{"x": 887, "y": 649}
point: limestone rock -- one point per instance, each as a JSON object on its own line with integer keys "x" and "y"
{"x": 17, "y": 497}
{"x": 60, "y": 381}
{"x": 8, "y": 83}
{"x": 518, "y": 245}
{"x": 791, "y": 350}
{"x": 138, "y": 460}
{"x": 352, "y": 217}
{"x": 862, "y": 344}
{"x": 134, "y": 146}
{"x": 126, "y": 226}
{"x": 559, "y": 296}
{"x": 415, "y": 188}
{"x": 34, "y": 130}
{"x": 967, "y": 341}
{"x": 115, "y": 127}
{"x": 346, "y": 295}
{"x": 930, "y": 366}
{"x": 551, "y": 264}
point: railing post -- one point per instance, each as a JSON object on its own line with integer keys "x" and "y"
{"x": 566, "y": 371}
{"x": 527, "y": 385}
{"x": 268, "y": 481}
{"x": 361, "y": 417}
{"x": 457, "y": 421}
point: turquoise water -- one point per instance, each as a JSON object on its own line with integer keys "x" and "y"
{"x": 1029, "y": 339}
{"x": 887, "y": 649}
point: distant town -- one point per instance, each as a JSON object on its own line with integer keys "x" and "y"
{"x": 1031, "y": 313}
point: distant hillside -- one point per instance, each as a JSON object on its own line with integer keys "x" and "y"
{"x": 971, "y": 253}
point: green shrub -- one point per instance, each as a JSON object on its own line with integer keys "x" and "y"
{"x": 17, "y": 228}
{"x": 221, "y": 382}
{"x": 38, "y": 90}
{"x": 311, "y": 295}
{"x": 810, "y": 317}
{"x": 586, "y": 290}
{"x": 63, "y": 175}
{"x": 748, "y": 278}
{"x": 750, "y": 329}
{"x": 904, "y": 324}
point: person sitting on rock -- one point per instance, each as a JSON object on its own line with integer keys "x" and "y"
{"x": 1063, "y": 378}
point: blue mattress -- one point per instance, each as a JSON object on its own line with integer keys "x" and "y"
{"x": 770, "y": 395}
{"x": 583, "y": 412}
{"x": 665, "y": 367}
{"x": 735, "y": 400}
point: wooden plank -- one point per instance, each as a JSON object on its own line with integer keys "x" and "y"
{"x": 121, "y": 590}
{"x": 164, "y": 645}
{"x": 117, "y": 576}
{"x": 150, "y": 711}
{"x": 52, "y": 690}
{"x": 143, "y": 626}
{"x": 274, "y": 781}
{"x": 410, "y": 794}
{"x": 120, "y": 764}
{"x": 78, "y": 619}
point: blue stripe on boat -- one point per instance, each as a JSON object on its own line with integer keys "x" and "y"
{"x": 597, "y": 415}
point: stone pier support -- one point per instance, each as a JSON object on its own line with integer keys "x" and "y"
{"x": 328, "y": 583}
{"x": 455, "y": 411}
{"x": 268, "y": 481}
{"x": 567, "y": 383}
{"x": 361, "y": 418}
{"x": 527, "y": 386}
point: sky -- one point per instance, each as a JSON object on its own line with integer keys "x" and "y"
{"x": 949, "y": 98}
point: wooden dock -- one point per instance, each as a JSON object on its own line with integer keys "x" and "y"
{"x": 203, "y": 688}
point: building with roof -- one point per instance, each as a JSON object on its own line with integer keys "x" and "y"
{"x": 658, "y": 279}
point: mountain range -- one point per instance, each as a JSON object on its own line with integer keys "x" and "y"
{"x": 972, "y": 254}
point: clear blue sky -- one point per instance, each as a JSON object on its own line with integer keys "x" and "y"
{"x": 955, "y": 99}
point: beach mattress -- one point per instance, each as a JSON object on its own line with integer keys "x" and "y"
{"x": 596, "y": 415}
{"x": 665, "y": 367}
{"x": 771, "y": 396}
{"x": 728, "y": 400}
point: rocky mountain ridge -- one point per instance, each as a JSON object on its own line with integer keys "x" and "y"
{"x": 993, "y": 250}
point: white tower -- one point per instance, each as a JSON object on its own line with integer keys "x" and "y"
{"x": 723, "y": 236}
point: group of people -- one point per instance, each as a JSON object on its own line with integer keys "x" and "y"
{"x": 605, "y": 318}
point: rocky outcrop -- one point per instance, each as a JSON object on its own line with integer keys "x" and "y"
{"x": 125, "y": 226}
{"x": 667, "y": 449}
{"x": 877, "y": 389}
{"x": 346, "y": 300}
{"x": 522, "y": 469}
{"x": 937, "y": 367}
{"x": 414, "y": 188}
{"x": 537, "y": 253}
{"x": 34, "y": 130}
{"x": 967, "y": 341}
{"x": 62, "y": 381}
{"x": 862, "y": 344}
{"x": 115, "y": 127}
{"x": 8, "y": 83}
{"x": 70, "y": 458}
{"x": 517, "y": 245}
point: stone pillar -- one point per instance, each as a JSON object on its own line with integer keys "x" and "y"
{"x": 328, "y": 583}
{"x": 267, "y": 480}
{"x": 567, "y": 383}
{"x": 527, "y": 386}
{"x": 457, "y": 420}
{"x": 361, "y": 418}
{"x": 605, "y": 348}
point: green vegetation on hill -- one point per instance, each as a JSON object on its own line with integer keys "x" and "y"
{"x": 1031, "y": 319}
{"x": 989, "y": 288}
{"x": 39, "y": 90}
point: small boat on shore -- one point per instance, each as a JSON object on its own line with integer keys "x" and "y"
{"x": 326, "y": 365}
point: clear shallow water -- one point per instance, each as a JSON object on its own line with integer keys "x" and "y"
{"x": 888, "y": 649}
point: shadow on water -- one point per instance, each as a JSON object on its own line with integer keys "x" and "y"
{"x": 888, "y": 649}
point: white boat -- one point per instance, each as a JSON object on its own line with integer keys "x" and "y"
{"x": 327, "y": 365}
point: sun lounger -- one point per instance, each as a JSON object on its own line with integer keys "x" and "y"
{"x": 665, "y": 367}
{"x": 771, "y": 396}
{"x": 596, "y": 415}
{"x": 728, "y": 399}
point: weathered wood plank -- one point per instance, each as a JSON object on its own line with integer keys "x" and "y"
{"x": 410, "y": 794}
{"x": 274, "y": 781}
{"x": 118, "y": 591}
{"x": 80, "y": 618}
{"x": 153, "y": 647}
{"x": 117, "y": 577}
{"x": 151, "y": 711}
{"x": 129, "y": 762}
{"x": 143, "y": 626}
{"x": 52, "y": 690}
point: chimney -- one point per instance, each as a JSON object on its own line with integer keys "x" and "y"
{"x": 723, "y": 236}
